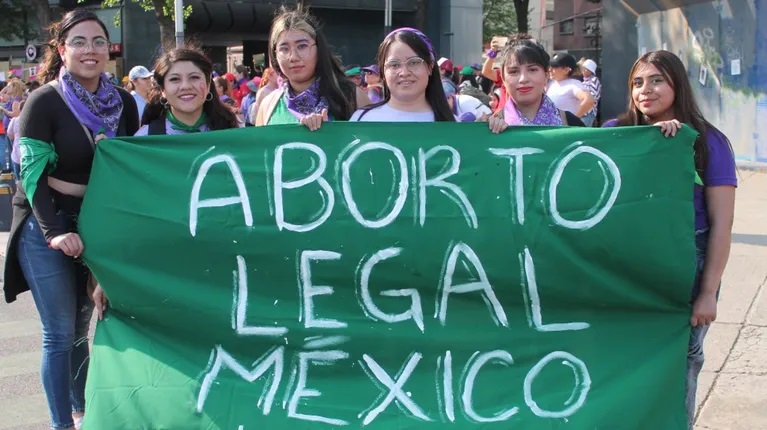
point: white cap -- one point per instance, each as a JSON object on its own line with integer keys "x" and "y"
{"x": 590, "y": 65}
{"x": 441, "y": 60}
{"x": 139, "y": 72}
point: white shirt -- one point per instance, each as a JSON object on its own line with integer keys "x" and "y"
{"x": 471, "y": 104}
{"x": 386, "y": 113}
{"x": 140, "y": 103}
{"x": 563, "y": 94}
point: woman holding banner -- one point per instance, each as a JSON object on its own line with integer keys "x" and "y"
{"x": 59, "y": 127}
{"x": 187, "y": 100}
{"x": 525, "y": 65}
{"x": 315, "y": 88}
{"x": 661, "y": 95}
{"x": 412, "y": 84}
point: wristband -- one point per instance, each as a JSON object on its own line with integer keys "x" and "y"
{"x": 491, "y": 53}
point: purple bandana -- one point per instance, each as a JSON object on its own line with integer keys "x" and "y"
{"x": 547, "y": 114}
{"x": 308, "y": 102}
{"x": 99, "y": 112}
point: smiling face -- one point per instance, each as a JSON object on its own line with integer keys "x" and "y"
{"x": 185, "y": 89}
{"x": 525, "y": 83}
{"x": 297, "y": 56}
{"x": 406, "y": 74}
{"x": 652, "y": 93}
{"x": 85, "y": 51}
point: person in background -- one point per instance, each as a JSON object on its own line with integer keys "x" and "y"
{"x": 249, "y": 99}
{"x": 469, "y": 86}
{"x": 187, "y": 100}
{"x": 240, "y": 84}
{"x": 446, "y": 69}
{"x": 14, "y": 136}
{"x": 525, "y": 63}
{"x": 413, "y": 83}
{"x": 495, "y": 97}
{"x": 269, "y": 83}
{"x": 568, "y": 94}
{"x": 59, "y": 128}
{"x": 315, "y": 88}
{"x": 355, "y": 75}
{"x": 467, "y": 108}
{"x": 11, "y": 98}
{"x": 661, "y": 95}
{"x": 375, "y": 86}
{"x": 141, "y": 84}
{"x": 592, "y": 84}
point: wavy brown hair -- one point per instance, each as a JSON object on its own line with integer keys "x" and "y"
{"x": 219, "y": 116}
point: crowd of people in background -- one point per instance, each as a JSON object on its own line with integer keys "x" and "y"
{"x": 55, "y": 129}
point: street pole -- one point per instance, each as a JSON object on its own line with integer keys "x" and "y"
{"x": 179, "y": 13}
{"x": 387, "y": 16}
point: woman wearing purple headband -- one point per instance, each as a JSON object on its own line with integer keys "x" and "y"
{"x": 412, "y": 88}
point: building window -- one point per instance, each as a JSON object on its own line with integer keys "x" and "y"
{"x": 566, "y": 27}
{"x": 591, "y": 25}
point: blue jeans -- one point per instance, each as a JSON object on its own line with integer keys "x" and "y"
{"x": 695, "y": 357}
{"x": 589, "y": 118}
{"x": 57, "y": 283}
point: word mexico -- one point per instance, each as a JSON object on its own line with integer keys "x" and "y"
{"x": 382, "y": 276}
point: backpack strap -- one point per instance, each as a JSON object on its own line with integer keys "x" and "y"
{"x": 157, "y": 127}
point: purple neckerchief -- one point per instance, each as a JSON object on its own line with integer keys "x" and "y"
{"x": 100, "y": 112}
{"x": 547, "y": 114}
{"x": 308, "y": 102}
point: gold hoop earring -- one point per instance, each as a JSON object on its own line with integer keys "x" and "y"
{"x": 164, "y": 102}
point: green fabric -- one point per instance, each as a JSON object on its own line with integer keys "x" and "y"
{"x": 698, "y": 180}
{"x": 37, "y": 158}
{"x": 467, "y": 71}
{"x": 176, "y": 124}
{"x": 281, "y": 114}
{"x": 197, "y": 290}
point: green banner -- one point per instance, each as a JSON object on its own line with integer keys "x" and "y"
{"x": 392, "y": 276}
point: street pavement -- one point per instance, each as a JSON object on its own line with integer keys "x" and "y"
{"x": 733, "y": 386}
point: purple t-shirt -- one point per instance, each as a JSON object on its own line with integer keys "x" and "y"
{"x": 719, "y": 171}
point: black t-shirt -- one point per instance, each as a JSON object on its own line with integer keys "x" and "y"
{"x": 46, "y": 117}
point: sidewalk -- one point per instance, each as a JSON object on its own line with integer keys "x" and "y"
{"x": 733, "y": 385}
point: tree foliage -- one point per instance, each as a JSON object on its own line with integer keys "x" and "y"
{"x": 164, "y": 13}
{"x": 499, "y": 18}
{"x": 13, "y": 22}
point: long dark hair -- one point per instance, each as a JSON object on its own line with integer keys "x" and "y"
{"x": 335, "y": 87}
{"x": 52, "y": 62}
{"x": 685, "y": 106}
{"x": 421, "y": 45}
{"x": 219, "y": 116}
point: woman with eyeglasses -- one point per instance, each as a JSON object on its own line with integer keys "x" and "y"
{"x": 315, "y": 88}
{"x": 59, "y": 127}
{"x": 412, "y": 83}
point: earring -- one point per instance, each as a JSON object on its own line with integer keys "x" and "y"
{"x": 164, "y": 102}
{"x": 209, "y": 96}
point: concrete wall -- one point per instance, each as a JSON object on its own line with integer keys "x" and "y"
{"x": 462, "y": 20}
{"x": 140, "y": 35}
{"x": 724, "y": 47}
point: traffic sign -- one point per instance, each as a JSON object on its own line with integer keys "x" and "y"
{"x": 31, "y": 52}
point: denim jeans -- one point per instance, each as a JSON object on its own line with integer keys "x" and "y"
{"x": 57, "y": 284}
{"x": 589, "y": 118}
{"x": 695, "y": 356}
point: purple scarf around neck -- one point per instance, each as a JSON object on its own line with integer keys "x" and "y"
{"x": 100, "y": 111}
{"x": 308, "y": 102}
{"x": 547, "y": 114}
